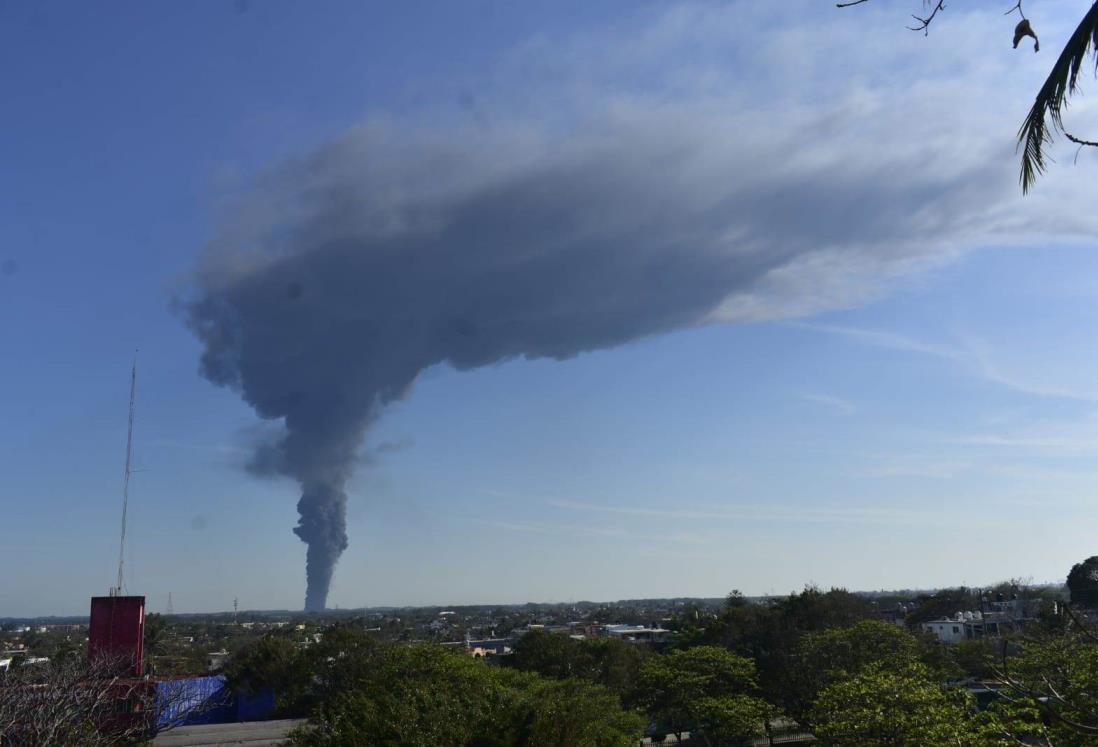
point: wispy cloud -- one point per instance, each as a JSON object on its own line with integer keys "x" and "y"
{"x": 884, "y": 339}
{"x": 1042, "y": 475}
{"x": 837, "y": 404}
{"x": 755, "y": 512}
{"x": 973, "y": 355}
{"x": 1063, "y": 445}
{"x": 982, "y": 359}
{"x": 581, "y": 530}
{"x": 907, "y": 466}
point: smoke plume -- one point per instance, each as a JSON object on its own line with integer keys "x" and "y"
{"x": 348, "y": 272}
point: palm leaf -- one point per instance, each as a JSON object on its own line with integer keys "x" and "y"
{"x": 1051, "y": 99}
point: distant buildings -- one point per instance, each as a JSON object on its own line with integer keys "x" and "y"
{"x": 990, "y": 621}
{"x": 637, "y": 633}
{"x": 490, "y": 649}
{"x": 962, "y": 626}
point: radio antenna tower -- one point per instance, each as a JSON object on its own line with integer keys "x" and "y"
{"x": 117, "y": 590}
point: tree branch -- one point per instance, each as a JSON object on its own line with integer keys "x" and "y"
{"x": 924, "y": 23}
{"x": 1079, "y": 140}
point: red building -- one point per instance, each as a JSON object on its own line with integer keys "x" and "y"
{"x": 117, "y": 631}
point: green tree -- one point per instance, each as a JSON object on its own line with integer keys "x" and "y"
{"x": 613, "y": 663}
{"x": 1082, "y": 582}
{"x": 572, "y": 712}
{"x": 156, "y": 629}
{"x": 548, "y": 654}
{"x": 831, "y": 656}
{"x": 943, "y": 603}
{"x": 388, "y": 694}
{"x": 345, "y": 657}
{"x": 886, "y": 705}
{"x": 768, "y": 633}
{"x": 1051, "y": 691}
{"x": 814, "y": 609}
{"x": 706, "y": 690}
{"x": 273, "y": 663}
{"x": 156, "y": 638}
{"x": 975, "y": 657}
{"x": 606, "y": 661}
{"x": 417, "y": 695}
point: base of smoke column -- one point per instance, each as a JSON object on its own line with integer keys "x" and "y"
{"x": 323, "y": 527}
{"x": 316, "y": 602}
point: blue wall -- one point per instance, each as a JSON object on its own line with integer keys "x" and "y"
{"x": 207, "y": 700}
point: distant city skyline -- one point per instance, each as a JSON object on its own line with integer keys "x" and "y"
{"x": 907, "y": 399}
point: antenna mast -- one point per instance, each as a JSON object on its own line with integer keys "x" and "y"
{"x": 117, "y": 590}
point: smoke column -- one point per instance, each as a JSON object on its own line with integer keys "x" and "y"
{"x": 348, "y": 272}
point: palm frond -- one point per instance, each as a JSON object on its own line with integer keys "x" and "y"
{"x": 1051, "y": 99}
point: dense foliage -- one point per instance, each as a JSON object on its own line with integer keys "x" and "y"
{"x": 894, "y": 705}
{"x": 606, "y": 661}
{"x": 359, "y": 690}
{"x": 705, "y": 690}
{"x": 822, "y": 659}
{"x": 1051, "y": 690}
{"x": 1082, "y": 582}
{"x": 768, "y": 633}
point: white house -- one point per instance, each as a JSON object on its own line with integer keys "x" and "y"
{"x": 964, "y": 625}
{"x": 947, "y": 630}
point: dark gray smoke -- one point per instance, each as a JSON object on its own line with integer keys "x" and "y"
{"x": 349, "y": 272}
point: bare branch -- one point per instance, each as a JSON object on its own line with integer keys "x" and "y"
{"x": 1080, "y": 141}
{"x": 81, "y": 702}
{"x": 924, "y": 23}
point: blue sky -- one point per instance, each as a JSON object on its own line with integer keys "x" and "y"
{"x": 908, "y": 401}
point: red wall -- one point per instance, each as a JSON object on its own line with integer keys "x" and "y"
{"x": 117, "y": 629}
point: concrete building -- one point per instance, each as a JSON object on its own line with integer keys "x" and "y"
{"x": 637, "y": 633}
{"x": 947, "y": 630}
{"x": 969, "y": 625}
